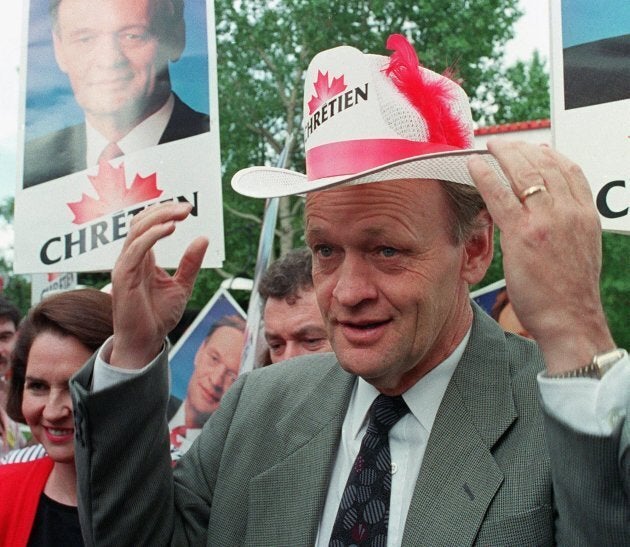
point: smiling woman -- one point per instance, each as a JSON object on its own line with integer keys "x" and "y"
{"x": 38, "y": 499}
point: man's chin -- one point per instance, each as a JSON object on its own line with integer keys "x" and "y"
{"x": 118, "y": 110}
{"x": 361, "y": 362}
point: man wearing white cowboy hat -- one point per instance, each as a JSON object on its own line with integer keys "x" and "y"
{"x": 461, "y": 452}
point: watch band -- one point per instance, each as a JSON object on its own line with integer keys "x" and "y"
{"x": 599, "y": 365}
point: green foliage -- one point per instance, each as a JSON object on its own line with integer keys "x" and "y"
{"x": 615, "y": 285}
{"x": 495, "y": 270}
{"x": 94, "y": 279}
{"x": 17, "y": 288}
{"x": 7, "y": 209}
{"x": 517, "y": 93}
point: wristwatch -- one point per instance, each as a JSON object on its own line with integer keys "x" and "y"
{"x": 599, "y": 365}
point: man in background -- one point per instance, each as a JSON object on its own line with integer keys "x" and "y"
{"x": 293, "y": 324}
{"x": 10, "y": 436}
{"x": 9, "y": 322}
{"x": 116, "y": 55}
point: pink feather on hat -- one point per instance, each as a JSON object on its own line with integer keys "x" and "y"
{"x": 431, "y": 99}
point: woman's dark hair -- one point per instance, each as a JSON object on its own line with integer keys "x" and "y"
{"x": 85, "y": 314}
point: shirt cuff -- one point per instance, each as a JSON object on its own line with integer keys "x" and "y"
{"x": 106, "y": 375}
{"x": 589, "y": 405}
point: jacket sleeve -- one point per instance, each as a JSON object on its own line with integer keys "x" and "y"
{"x": 591, "y": 483}
{"x": 125, "y": 486}
{"x": 128, "y": 492}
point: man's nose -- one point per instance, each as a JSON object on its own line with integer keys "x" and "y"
{"x": 293, "y": 349}
{"x": 109, "y": 51}
{"x": 353, "y": 283}
{"x": 220, "y": 375}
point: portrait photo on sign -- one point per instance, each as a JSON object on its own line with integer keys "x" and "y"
{"x": 204, "y": 363}
{"x": 105, "y": 79}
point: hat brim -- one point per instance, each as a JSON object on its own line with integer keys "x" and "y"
{"x": 270, "y": 182}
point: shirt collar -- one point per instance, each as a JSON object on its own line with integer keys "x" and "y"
{"x": 144, "y": 135}
{"x": 423, "y": 398}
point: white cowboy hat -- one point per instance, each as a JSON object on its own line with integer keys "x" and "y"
{"x": 370, "y": 118}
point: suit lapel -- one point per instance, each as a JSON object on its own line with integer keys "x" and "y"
{"x": 298, "y": 483}
{"x": 459, "y": 476}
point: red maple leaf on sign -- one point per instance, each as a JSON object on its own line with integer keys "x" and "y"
{"x": 113, "y": 194}
{"x": 323, "y": 91}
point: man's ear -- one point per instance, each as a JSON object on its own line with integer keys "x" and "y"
{"x": 478, "y": 249}
{"x": 59, "y": 54}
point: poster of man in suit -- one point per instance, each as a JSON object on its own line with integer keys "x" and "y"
{"x": 115, "y": 56}
{"x": 204, "y": 363}
{"x": 120, "y": 110}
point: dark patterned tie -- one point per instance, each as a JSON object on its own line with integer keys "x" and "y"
{"x": 111, "y": 151}
{"x": 364, "y": 509}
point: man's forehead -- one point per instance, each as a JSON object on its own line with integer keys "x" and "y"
{"x": 315, "y": 230}
{"x": 300, "y": 295}
{"x": 7, "y": 325}
{"x": 136, "y": 12}
{"x": 394, "y": 199}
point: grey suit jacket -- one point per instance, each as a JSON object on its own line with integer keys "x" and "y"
{"x": 259, "y": 473}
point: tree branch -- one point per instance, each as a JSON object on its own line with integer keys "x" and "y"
{"x": 266, "y": 134}
{"x": 239, "y": 214}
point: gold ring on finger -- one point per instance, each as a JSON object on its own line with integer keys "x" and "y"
{"x": 528, "y": 192}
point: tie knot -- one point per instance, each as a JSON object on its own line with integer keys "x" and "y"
{"x": 386, "y": 411}
{"x": 111, "y": 151}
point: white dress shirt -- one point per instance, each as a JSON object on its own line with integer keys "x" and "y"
{"x": 144, "y": 135}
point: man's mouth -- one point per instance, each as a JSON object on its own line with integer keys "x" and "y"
{"x": 363, "y": 332}
{"x": 363, "y": 325}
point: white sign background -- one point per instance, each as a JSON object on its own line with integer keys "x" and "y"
{"x": 596, "y": 137}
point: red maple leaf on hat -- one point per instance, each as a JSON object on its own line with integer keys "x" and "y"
{"x": 323, "y": 91}
{"x": 113, "y": 194}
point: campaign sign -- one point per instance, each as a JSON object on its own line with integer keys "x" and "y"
{"x": 119, "y": 112}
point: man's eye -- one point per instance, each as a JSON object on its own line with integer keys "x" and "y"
{"x": 325, "y": 251}
{"x": 135, "y": 37}
{"x": 313, "y": 342}
{"x": 388, "y": 252}
{"x": 84, "y": 39}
